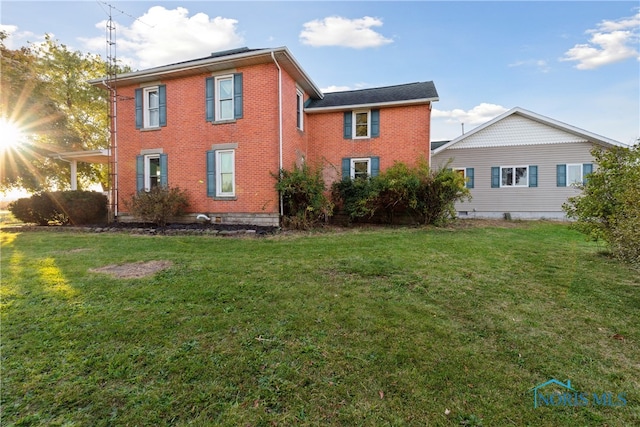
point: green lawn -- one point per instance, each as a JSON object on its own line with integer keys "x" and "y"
{"x": 374, "y": 327}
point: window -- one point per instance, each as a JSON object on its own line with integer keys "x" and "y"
{"x": 299, "y": 109}
{"x": 151, "y": 171}
{"x": 360, "y": 168}
{"x": 516, "y": 176}
{"x": 225, "y": 173}
{"x": 221, "y": 171}
{"x": 151, "y": 107}
{"x": 512, "y": 176}
{"x": 361, "y": 124}
{"x": 353, "y": 168}
{"x": 572, "y": 174}
{"x": 467, "y": 174}
{"x": 223, "y": 97}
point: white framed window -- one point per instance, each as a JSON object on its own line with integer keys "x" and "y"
{"x": 361, "y": 124}
{"x": 299, "y": 109}
{"x": 225, "y": 173}
{"x": 152, "y": 171}
{"x": 151, "y": 107}
{"x": 224, "y": 98}
{"x": 574, "y": 174}
{"x": 461, "y": 171}
{"x": 360, "y": 168}
{"x": 514, "y": 176}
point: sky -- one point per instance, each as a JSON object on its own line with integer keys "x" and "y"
{"x": 575, "y": 62}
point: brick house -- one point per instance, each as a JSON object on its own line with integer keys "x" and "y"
{"x": 221, "y": 126}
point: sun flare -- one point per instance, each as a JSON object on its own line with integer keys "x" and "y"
{"x": 10, "y": 134}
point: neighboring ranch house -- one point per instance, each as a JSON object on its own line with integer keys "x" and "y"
{"x": 520, "y": 165}
{"x": 222, "y": 126}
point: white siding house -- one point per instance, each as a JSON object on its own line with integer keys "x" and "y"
{"x": 521, "y": 165}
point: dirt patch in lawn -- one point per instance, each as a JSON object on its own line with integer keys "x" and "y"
{"x": 133, "y": 270}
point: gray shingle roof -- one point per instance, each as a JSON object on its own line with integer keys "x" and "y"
{"x": 380, "y": 95}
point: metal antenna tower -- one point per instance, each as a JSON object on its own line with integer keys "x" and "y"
{"x": 111, "y": 83}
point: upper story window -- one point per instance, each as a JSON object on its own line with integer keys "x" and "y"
{"x": 361, "y": 124}
{"x": 223, "y": 97}
{"x": 151, "y": 107}
{"x": 299, "y": 109}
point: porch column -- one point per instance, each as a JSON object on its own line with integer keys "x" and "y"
{"x": 74, "y": 175}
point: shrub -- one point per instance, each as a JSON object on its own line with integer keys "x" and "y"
{"x": 428, "y": 194}
{"x": 303, "y": 195}
{"x": 62, "y": 207}
{"x": 158, "y": 205}
{"x": 609, "y": 206}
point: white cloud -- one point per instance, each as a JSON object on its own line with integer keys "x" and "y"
{"x": 339, "y": 31}
{"x": 477, "y": 115}
{"x": 610, "y": 42}
{"x": 540, "y": 64}
{"x": 15, "y": 39}
{"x": 336, "y": 88}
{"x": 164, "y": 36}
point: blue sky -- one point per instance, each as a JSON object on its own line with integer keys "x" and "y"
{"x": 576, "y": 62}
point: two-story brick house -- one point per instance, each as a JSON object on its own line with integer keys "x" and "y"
{"x": 220, "y": 127}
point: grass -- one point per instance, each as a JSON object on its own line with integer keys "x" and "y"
{"x": 403, "y": 326}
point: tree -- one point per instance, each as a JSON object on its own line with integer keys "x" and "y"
{"x": 45, "y": 91}
{"x": 609, "y": 206}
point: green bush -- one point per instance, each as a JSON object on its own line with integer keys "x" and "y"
{"x": 61, "y": 207}
{"x": 303, "y": 195}
{"x": 609, "y": 206}
{"x": 158, "y": 205}
{"x": 429, "y": 195}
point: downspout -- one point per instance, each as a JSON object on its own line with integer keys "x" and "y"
{"x": 279, "y": 125}
{"x": 429, "y": 141}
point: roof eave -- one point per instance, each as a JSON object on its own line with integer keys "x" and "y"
{"x": 371, "y": 105}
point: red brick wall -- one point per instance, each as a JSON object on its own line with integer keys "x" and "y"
{"x": 404, "y": 136}
{"x": 188, "y": 136}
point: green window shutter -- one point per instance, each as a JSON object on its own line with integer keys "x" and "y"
{"x": 163, "y": 171}
{"x": 162, "y": 104}
{"x": 495, "y": 177}
{"x": 211, "y": 173}
{"x": 209, "y": 93}
{"x": 533, "y": 176}
{"x": 470, "y": 177}
{"x": 375, "y": 123}
{"x": 139, "y": 173}
{"x": 375, "y": 166}
{"x": 347, "y": 124}
{"x": 587, "y": 168}
{"x": 561, "y": 175}
{"x": 237, "y": 95}
{"x": 346, "y": 168}
{"x": 138, "y": 101}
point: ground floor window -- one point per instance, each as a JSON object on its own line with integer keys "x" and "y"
{"x": 225, "y": 173}
{"x": 360, "y": 168}
{"x": 514, "y": 176}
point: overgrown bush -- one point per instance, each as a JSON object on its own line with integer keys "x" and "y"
{"x": 159, "y": 205}
{"x": 428, "y": 195}
{"x": 609, "y": 206}
{"x": 305, "y": 204}
{"x": 61, "y": 207}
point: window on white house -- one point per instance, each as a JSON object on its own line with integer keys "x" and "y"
{"x": 574, "y": 174}
{"x": 461, "y": 171}
{"x": 152, "y": 171}
{"x": 299, "y": 109}
{"x": 360, "y": 168}
{"x": 514, "y": 176}
{"x": 362, "y": 124}
{"x": 224, "y": 98}
{"x": 151, "y": 107}
{"x": 225, "y": 173}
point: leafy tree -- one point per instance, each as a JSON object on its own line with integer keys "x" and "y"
{"x": 609, "y": 206}
{"x": 45, "y": 91}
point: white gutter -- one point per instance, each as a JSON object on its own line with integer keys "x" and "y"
{"x": 279, "y": 125}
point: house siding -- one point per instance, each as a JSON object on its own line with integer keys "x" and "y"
{"x": 543, "y": 201}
